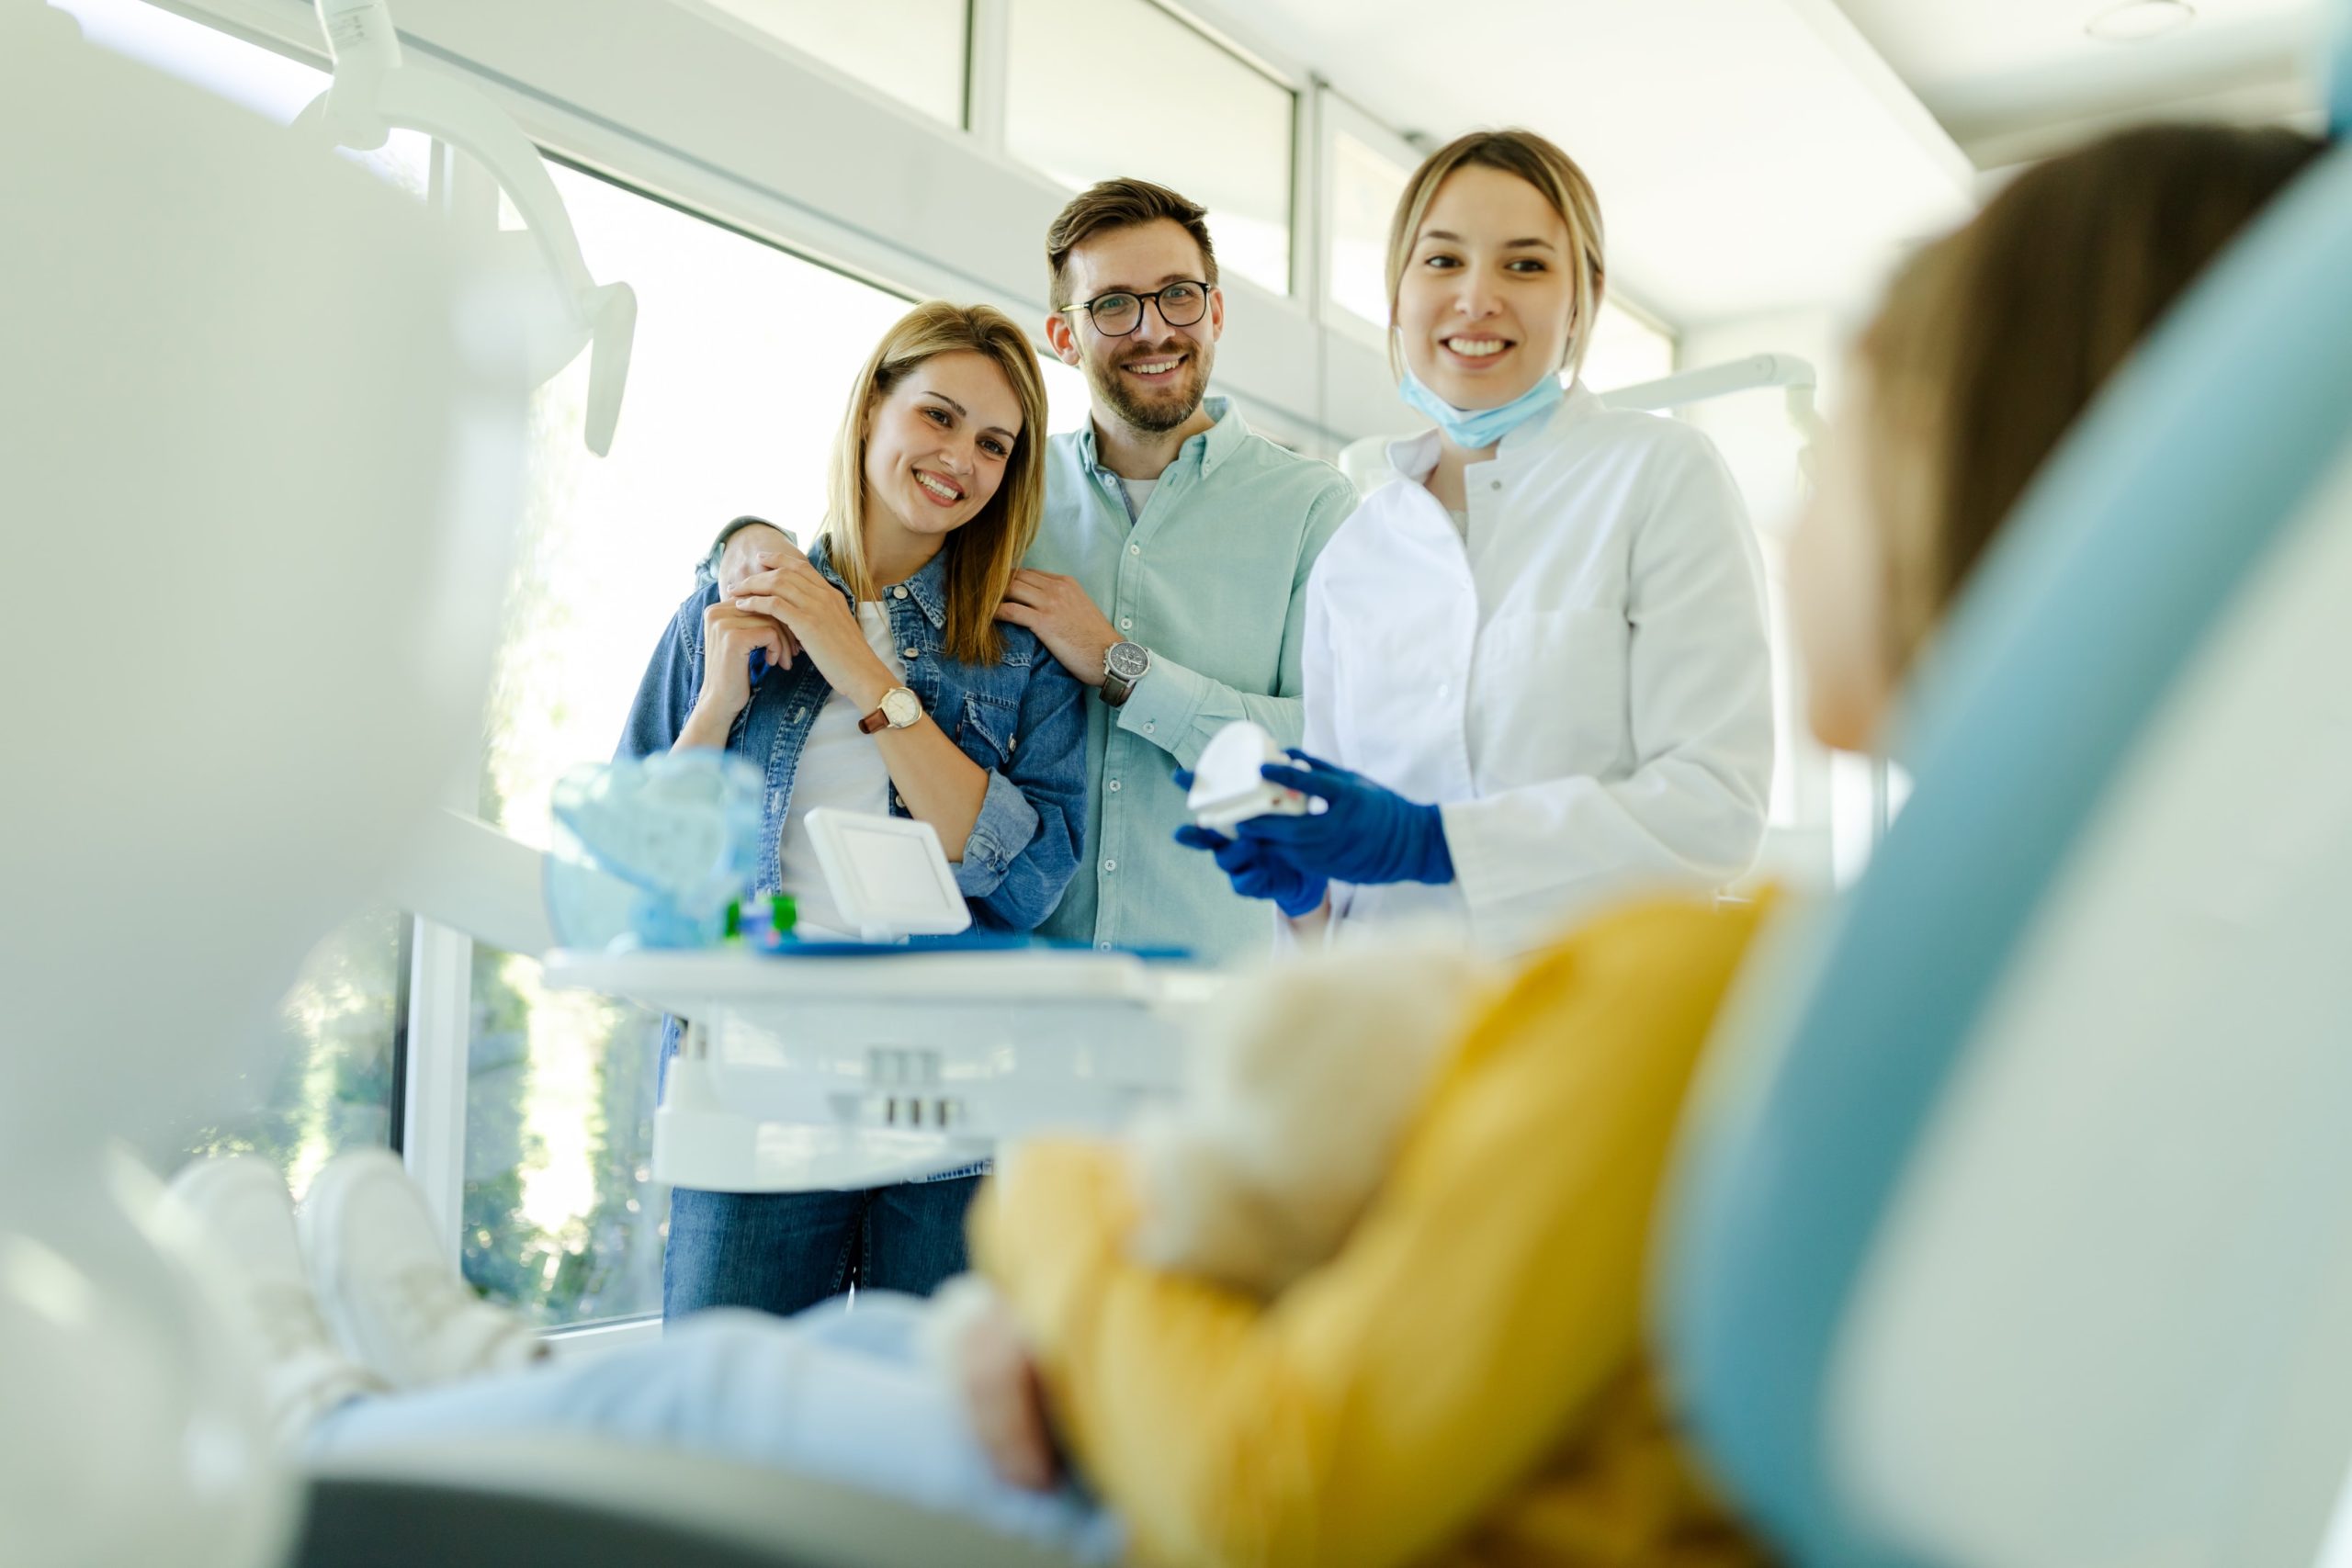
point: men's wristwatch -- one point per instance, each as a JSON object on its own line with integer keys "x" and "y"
{"x": 900, "y": 707}
{"x": 1123, "y": 664}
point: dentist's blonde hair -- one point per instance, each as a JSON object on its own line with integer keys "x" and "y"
{"x": 1557, "y": 180}
{"x": 983, "y": 553}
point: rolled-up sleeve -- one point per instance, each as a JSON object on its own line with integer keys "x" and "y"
{"x": 672, "y": 679}
{"x": 1024, "y": 847}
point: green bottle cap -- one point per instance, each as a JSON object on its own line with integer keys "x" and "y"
{"x": 783, "y": 913}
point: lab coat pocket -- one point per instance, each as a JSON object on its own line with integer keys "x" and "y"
{"x": 1552, "y": 694}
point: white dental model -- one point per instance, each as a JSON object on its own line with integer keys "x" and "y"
{"x": 1228, "y": 788}
{"x": 374, "y": 92}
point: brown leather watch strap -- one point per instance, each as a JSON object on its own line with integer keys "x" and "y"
{"x": 874, "y": 722}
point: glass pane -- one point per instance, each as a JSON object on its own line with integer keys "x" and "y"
{"x": 1366, "y": 188}
{"x": 743, "y": 357}
{"x": 1074, "y": 71}
{"x": 1625, "y": 351}
{"x": 562, "y": 1217}
{"x": 870, "y": 42}
{"x": 263, "y": 81}
{"x": 330, "y": 1089}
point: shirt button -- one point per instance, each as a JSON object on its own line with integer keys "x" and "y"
{"x": 900, "y": 591}
{"x": 1113, "y": 786}
{"x": 1150, "y": 728}
{"x": 915, "y": 653}
{"x": 1134, "y": 550}
{"x": 798, "y": 714}
{"x": 1104, "y": 946}
{"x": 1495, "y": 484}
{"x": 1110, "y": 865}
{"x": 1443, "y": 689}
{"x": 1126, "y": 625}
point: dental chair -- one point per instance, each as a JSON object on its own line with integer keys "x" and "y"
{"x": 2014, "y": 1225}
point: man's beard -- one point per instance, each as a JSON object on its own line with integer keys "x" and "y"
{"x": 1175, "y": 404}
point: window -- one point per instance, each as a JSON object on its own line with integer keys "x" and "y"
{"x": 912, "y": 50}
{"x": 1626, "y": 350}
{"x": 328, "y": 1084}
{"x": 1366, "y": 185}
{"x": 1067, "y": 398}
{"x": 1074, "y": 108}
{"x": 743, "y": 359}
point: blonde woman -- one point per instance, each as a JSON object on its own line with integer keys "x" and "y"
{"x": 871, "y": 674}
{"x": 1537, "y": 668}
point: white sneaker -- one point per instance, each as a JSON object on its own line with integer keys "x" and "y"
{"x": 248, "y": 1220}
{"x": 388, "y": 1288}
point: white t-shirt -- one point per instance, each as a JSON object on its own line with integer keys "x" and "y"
{"x": 1138, "y": 494}
{"x": 840, "y": 768}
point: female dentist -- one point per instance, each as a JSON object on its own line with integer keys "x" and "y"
{"x": 1536, "y": 671}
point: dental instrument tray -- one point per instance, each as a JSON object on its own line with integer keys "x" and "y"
{"x": 856, "y": 1064}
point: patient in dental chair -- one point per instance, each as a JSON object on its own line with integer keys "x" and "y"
{"x": 1320, "y": 1315}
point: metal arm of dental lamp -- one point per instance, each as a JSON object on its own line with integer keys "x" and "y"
{"x": 374, "y": 92}
{"x": 1787, "y": 371}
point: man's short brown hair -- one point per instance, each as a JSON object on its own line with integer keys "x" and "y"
{"x": 1121, "y": 204}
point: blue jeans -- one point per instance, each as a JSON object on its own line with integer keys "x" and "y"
{"x": 839, "y": 1395}
{"x": 784, "y": 1252}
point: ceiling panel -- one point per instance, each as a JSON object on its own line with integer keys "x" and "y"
{"x": 1751, "y": 154}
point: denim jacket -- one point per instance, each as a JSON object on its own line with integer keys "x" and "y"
{"x": 1022, "y": 719}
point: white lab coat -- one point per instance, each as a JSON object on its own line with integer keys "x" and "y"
{"x": 1583, "y": 683}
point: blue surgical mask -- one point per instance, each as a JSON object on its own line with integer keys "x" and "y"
{"x": 1476, "y": 429}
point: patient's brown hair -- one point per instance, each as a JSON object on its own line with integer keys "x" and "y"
{"x": 1994, "y": 339}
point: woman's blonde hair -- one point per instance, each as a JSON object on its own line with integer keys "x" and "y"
{"x": 1555, "y": 177}
{"x": 1992, "y": 340}
{"x": 983, "y": 553}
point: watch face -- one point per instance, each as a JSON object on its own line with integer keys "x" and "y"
{"x": 1129, "y": 660}
{"x": 900, "y": 707}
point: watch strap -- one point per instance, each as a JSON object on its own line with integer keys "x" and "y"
{"x": 1118, "y": 688}
{"x": 879, "y": 719}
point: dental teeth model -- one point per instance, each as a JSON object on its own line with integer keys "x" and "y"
{"x": 1228, "y": 788}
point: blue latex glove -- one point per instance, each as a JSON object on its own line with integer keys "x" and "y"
{"x": 1369, "y": 834}
{"x": 1260, "y": 871}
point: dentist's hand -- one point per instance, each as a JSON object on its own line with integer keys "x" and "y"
{"x": 1368, "y": 834}
{"x": 1074, "y": 631}
{"x": 1257, "y": 871}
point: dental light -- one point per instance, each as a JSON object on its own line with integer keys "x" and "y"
{"x": 374, "y": 92}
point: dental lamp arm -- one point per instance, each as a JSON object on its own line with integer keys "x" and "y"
{"x": 376, "y": 92}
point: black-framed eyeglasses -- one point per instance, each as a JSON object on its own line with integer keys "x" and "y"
{"x": 1120, "y": 312}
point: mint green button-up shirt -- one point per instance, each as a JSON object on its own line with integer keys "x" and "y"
{"x": 1211, "y": 576}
